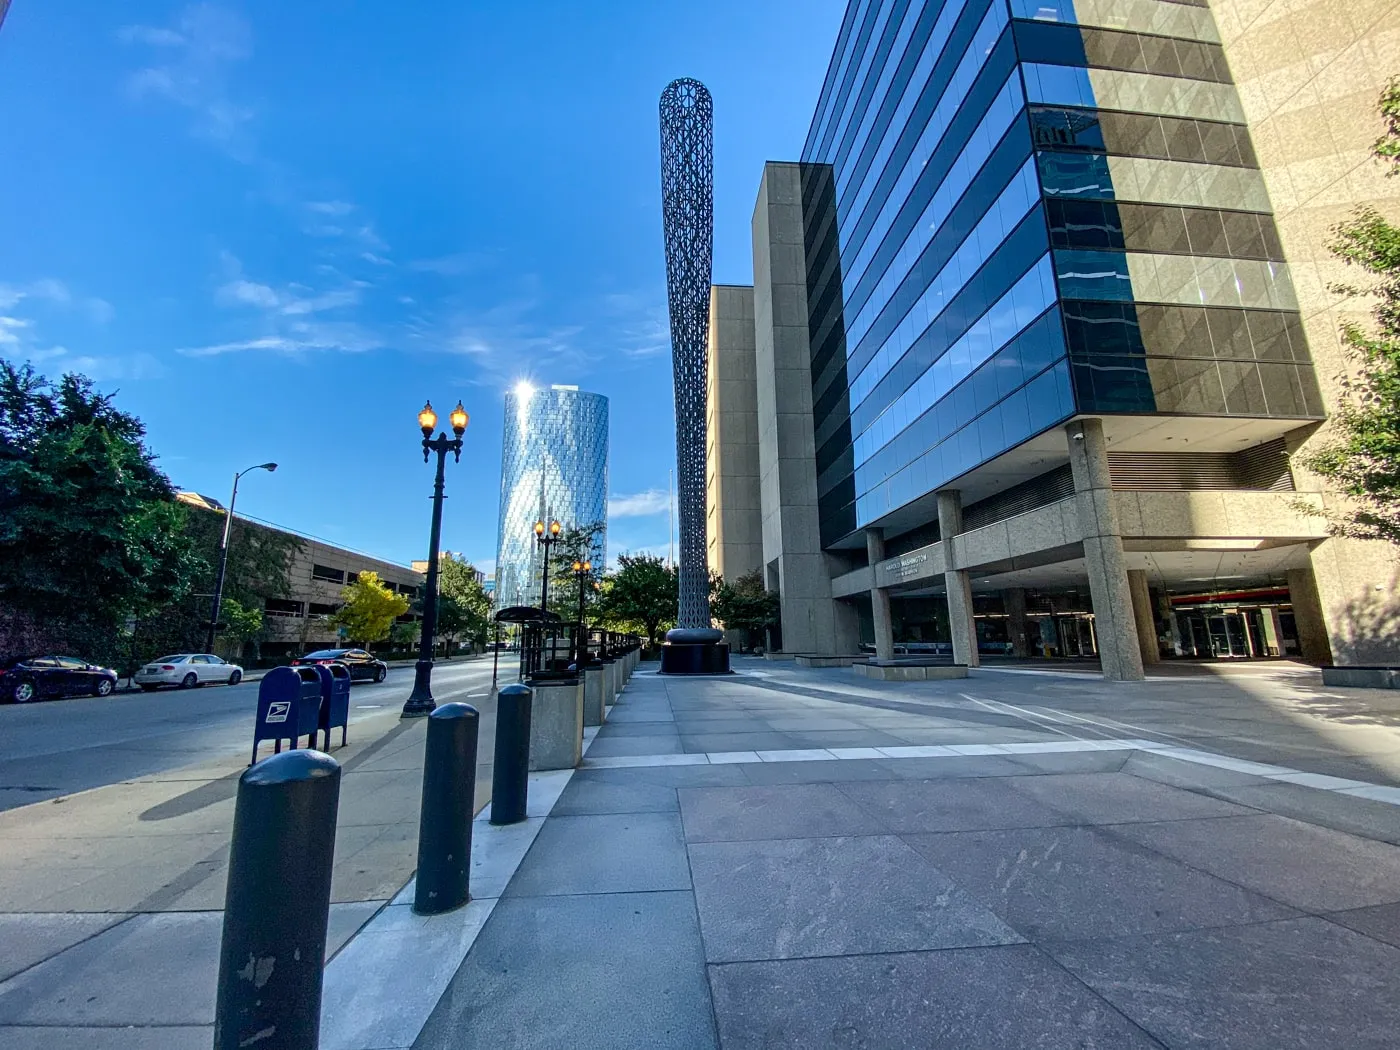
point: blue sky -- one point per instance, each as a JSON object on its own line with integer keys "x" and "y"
{"x": 275, "y": 228}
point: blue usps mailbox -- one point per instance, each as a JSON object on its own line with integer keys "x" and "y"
{"x": 289, "y": 706}
{"x": 335, "y": 700}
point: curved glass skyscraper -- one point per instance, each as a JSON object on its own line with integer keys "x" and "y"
{"x": 554, "y": 465}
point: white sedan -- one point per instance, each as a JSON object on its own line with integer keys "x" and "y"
{"x": 186, "y": 671}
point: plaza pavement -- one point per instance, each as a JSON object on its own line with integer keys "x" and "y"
{"x": 793, "y": 858}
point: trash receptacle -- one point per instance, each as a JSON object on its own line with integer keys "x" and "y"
{"x": 335, "y": 700}
{"x": 289, "y": 706}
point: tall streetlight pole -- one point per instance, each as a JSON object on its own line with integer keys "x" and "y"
{"x": 420, "y": 702}
{"x": 546, "y": 538}
{"x": 223, "y": 543}
{"x": 581, "y": 571}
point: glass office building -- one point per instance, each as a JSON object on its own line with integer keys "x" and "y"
{"x": 554, "y": 466}
{"x": 1018, "y": 213}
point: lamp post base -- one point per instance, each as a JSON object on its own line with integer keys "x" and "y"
{"x": 420, "y": 702}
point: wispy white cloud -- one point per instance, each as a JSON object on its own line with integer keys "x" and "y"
{"x": 336, "y": 208}
{"x": 191, "y": 69}
{"x": 639, "y": 504}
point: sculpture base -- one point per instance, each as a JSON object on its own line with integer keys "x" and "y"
{"x": 695, "y": 658}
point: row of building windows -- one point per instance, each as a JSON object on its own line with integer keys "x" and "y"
{"x": 864, "y": 304}
{"x": 1047, "y": 400}
{"x": 1142, "y": 135}
{"x": 1140, "y": 16}
{"x": 1060, "y": 85}
{"x": 1129, "y": 52}
{"x": 328, "y": 574}
{"x": 1026, "y": 300}
{"x": 1005, "y": 214}
{"x": 1016, "y": 364}
{"x": 1019, "y": 251}
{"x": 1095, "y": 176}
{"x": 1106, "y": 383}
{"x": 1183, "y": 279}
{"x": 859, "y": 222}
{"x": 915, "y": 89}
{"x": 900, "y": 16}
{"x": 1163, "y": 229}
{"x": 1183, "y": 331}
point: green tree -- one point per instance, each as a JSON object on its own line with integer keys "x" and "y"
{"x": 745, "y": 605}
{"x": 1361, "y": 454}
{"x": 242, "y": 625}
{"x": 471, "y": 619}
{"x": 369, "y": 609}
{"x": 405, "y": 635}
{"x": 89, "y": 533}
{"x": 577, "y": 543}
{"x": 642, "y": 596}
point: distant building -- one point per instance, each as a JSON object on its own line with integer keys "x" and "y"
{"x": 554, "y": 466}
{"x": 1031, "y": 342}
{"x": 300, "y": 620}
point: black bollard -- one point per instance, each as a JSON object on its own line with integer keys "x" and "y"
{"x": 278, "y": 903}
{"x": 445, "y": 817}
{"x": 510, "y": 776}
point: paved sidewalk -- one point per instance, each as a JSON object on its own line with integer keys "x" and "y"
{"x": 110, "y": 899}
{"x": 754, "y": 862}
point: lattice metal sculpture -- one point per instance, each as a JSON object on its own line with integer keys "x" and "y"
{"x": 687, "y": 206}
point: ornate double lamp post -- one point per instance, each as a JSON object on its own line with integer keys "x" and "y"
{"x": 546, "y": 537}
{"x": 582, "y": 569}
{"x": 420, "y": 701}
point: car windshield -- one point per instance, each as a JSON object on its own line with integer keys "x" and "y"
{"x": 325, "y": 654}
{"x": 170, "y": 659}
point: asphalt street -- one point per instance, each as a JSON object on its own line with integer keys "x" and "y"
{"x": 62, "y": 746}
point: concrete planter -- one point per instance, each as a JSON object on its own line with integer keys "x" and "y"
{"x": 1362, "y": 677}
{"x": 610, "y": 681}
{"x": 909, "y": 672}
{"x": 556, "y": 724}
{"x": 813, "y": 660}
{"x": 593, "y": 711}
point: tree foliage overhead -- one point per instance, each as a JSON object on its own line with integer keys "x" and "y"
{"x": 369, "y": 610}
{"x": 89, "y": 532}
{"x": 641, "y": 596}
{"x": 1362, "y": 456}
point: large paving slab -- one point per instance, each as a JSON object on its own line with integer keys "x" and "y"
{"x": 790, "y": 898}
{"x": 1300, "y": 984}
{"x": 589, "y": 971}
{"x": 1006, "y": 998}
{"x": 604, "y": 853}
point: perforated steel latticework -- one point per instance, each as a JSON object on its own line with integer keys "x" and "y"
{"x": 554, "y": 464}
{"x": 687, "y": 207}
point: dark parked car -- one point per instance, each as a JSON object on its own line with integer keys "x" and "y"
{"x": 361, "y": 665}
{"x": 40, "y": 677}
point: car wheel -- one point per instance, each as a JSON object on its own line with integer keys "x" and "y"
{"x": 235, "y": 678}
{"x": 103, "y": 687}
{"x": 380, "y": 674}
{"x": 189, "y": 681}
{"x": 149, "y": 688}
{"x": 22, "y": 692}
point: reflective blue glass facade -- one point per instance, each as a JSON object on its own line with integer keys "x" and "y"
{"x": 554, "y": 465}
{"x": 1021, "y": 210}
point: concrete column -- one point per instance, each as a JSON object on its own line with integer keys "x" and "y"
{"x": 1273, "y": 632}
{"x": 880, "y": 599}
{"x": 1142, "y": 616}
{"x": 1307, "y": 617}
{"x": 1013, "y": 602}
{"x": 1119, "y": 650}
{"x": 790, "y": 534}
{"x": 959, "y": 585}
